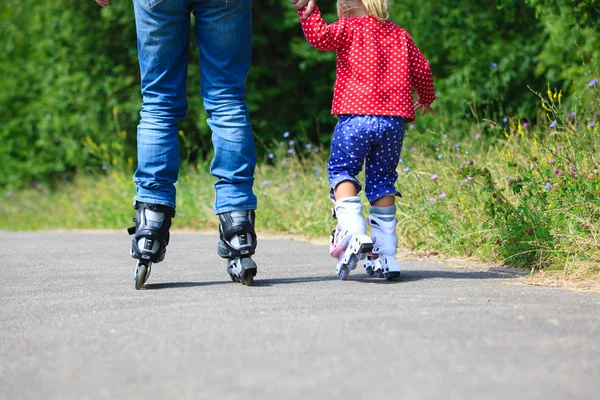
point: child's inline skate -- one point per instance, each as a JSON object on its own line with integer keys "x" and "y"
{"x": 349, "y": 244}
{"x": 237, "y": 244}
{"x": 151, "y": 237}
{"x": 381, "y": 262}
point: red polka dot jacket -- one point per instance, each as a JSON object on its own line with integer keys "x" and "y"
{"x": 378, "y": 65}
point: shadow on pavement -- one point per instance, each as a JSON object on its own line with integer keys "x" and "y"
{"x": 416, "y": 275}
{"x": 175, "y": 285}
{"x": 407, "y": 276}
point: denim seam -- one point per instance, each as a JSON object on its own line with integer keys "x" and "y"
{"x": 150, "y": 5}
{"x": 230, "y": 209}
{"x": 155, "y": 201}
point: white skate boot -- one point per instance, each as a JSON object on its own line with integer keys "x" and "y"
{"x": 349, "y": 243}
{"x": 381, "y": 262}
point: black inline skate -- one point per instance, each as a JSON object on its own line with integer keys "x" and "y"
{"x": 237, "y": 244}
{"x": 151, "y": 237}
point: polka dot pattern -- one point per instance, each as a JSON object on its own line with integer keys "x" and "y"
{"x": 378, "y": 65}
{"x": 373, "y": 140}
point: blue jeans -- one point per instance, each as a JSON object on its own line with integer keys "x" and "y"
{"x": 223, "y": 32}
{"x": 373, "y": 140}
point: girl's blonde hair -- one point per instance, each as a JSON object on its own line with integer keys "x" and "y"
{"x": 375, "y": 8}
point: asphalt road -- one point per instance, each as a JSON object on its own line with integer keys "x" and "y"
{"x": 72, "y": 326}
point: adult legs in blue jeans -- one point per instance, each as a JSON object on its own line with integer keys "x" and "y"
{"x": 223, "y": 33}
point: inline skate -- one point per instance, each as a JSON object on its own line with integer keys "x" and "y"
{"x": 237, "y": 244}
{"x": 381, "y": 262}
{"x": 348, "y": 243}
{"x": 151, "y": 237}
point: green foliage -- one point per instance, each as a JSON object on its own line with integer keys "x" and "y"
{"x": 69, "y": 97}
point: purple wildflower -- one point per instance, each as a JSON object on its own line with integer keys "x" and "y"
{"x": 265, "y": 183}
{"x": 411, "y": 126}
{"x": 432, "y": 199}
{"x": 559, "y": 147}
{"x": 434, "y": 177}
{"x": 571, "y": 115}
{"x": 510, "y": 181}
{"x": 477, "y": 136}
{"x": 456, "y": 146}
{"x": 442, "y": 195}
{"x": 525, "y": 124}
{"x": 552, "y": 161}
{"x": 287, "y": 185}
{"x": 593, "y": 82}
{"x": 592, "y": 124}
{"x": 413, "y": 149}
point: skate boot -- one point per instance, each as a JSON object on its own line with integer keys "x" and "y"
{"x": 349, "y": 244}
{"x": 151, "y": 237}
{"x": 381, "y": 262}
{"x": 237, "y": 244}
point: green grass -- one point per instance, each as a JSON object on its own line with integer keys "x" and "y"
{"x": 525, "y": 196}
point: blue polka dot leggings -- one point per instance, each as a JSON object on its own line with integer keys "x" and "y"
{"x": 373, "y": 139}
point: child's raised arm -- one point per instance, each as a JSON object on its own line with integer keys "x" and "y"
{"x": 320, "y": 35}
{"x": 421, "y": 77}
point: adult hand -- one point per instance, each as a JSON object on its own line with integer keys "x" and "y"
{"x": 103, "y": 3}
{"x": 309, "y": 4}
{"x": 425, "y": 108}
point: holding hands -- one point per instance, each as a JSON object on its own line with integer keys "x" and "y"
{"x": 425, "y": 108}
{"x": 299, "y": 4}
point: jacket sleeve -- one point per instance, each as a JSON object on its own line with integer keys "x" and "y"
{"x": 322, "y": 36}
{"x": 421, "y": 77}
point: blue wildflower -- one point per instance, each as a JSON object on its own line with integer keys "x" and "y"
{"x": 547, "y": 186}
{"x": 271, "y": 156}
{"x": 505, "y": 119}
{"x": 494, "y": 65}
{"x": 553, "y": 124}
{"x": 593, "y": 82}
{"x": 291, "y": 143}
{"x": 592, "y": 124}
{"x": 308, "y": 146}
{"x": 286, "y": 134}
{"x": 406, "y": 169}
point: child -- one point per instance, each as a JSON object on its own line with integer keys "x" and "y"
{"x": 378, "y": 66}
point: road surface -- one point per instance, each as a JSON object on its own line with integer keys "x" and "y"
{"x": 72, "y": 326}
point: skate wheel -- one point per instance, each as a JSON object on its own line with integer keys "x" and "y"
{"x": 142, "y": 272}
{"x": 392, "y": 276}
{"x": 343, "y": 272}
{"x": 248, "y": 278}
{"x": 369, "y": 271}
{"x": 233, "y": 278}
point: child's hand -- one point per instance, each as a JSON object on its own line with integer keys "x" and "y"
{"x": 103, "y": 3}
{"x": 310, "y": 6}
{"x": 425, "y": 108}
